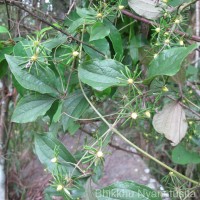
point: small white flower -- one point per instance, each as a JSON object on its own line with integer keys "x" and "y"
{"x": 75, "y": 53}
{"x": 158, "y": 29}
{"x": 100, "y": 154}
{"x": 177, "y": 21}
{"x": 155, "y": 55}
{"x": 59, "y": 187}
{"x": 130, "y": 81}
{"x": 54, "y": 160}
{"x": 134, "y": 115}
{"x": 181, "y": 42}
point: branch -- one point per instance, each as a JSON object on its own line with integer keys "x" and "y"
{"x": 3, "y": 118}
{"x": 22, "y": 7}
{"x": 71, "y": 7}
{"x": 8, "y": 14}
{"x": 186, "y": 107}
{"x": 4, "y": 106}
{"x": 186, "y": 35}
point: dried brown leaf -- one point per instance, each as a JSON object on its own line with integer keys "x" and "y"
{"x": 171, "y": 122}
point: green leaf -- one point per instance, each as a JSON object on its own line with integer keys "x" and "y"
{"x": 116, "y": 40}
{"x": 31, "y": 107}
{"x": 98, "y": 172}
{"x": 45, "y": 145}
{"x": 3, "y": 29}
{"x": 20, "y": 90}
{"x": 57, "y": 114}
{"x": 102, "y": 74}
{"x": 75, "y": 105}
{"x": 99, "y": 31}
{"x": 127, "y": 190}
{"x": 175, "y": 3}
{"x": 136, "y": 42}
{"x": 79, "y": 23}
{"x": 180, "y": 155}
{"x": 46, "y": 75}
{"x": 52, "y": 43}
{"x": 3, "y": 68}
{"x": 73, "y": 16}
{"x": 73, "y": 128}
{"x": 21, "y": 50}
{"x": 5, "y": 50}
{"x": 29, "y": 81}
{"x": 86, "y": 13}
{"x": 3, "y": 62}
{"x": 89, "y": 192}
{"x": 169, "y": 61}
{"x": 75, "y": 25}
{"x": 102, "y": 45}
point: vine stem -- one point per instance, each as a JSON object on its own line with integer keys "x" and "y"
{"x": 111, "y": 127}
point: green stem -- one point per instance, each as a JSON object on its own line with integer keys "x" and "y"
{"x": 154, "y": 159}
{"x": 133, "y": 145}
{"x": 191, "y": 102}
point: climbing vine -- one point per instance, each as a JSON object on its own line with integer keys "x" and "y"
{"x": 135, "y": 57}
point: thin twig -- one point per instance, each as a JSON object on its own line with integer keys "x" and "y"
{"x": 18, "y": 4}
{"x": 3, "y": 119}
{"x": 186, "y": 107}
{"x": 186, "y": 35}
{"x": 8, "y": 14}
{"x": 71, "y": 7}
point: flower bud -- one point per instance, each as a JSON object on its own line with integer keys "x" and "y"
{"x": 148, "y": 114}
{"x": 120, "y": 7}
{"x": 165, "y": 89}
